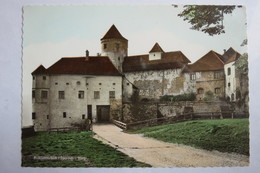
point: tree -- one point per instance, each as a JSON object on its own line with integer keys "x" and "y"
{"x": 206, "y": 18}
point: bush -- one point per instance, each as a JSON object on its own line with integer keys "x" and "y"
{"x": 181, "y": 97}
{"x": 209, "y": 96}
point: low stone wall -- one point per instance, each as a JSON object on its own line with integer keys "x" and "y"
{"x": 149, "y": 110}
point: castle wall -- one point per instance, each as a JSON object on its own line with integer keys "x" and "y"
{"x": 153, "y": 84}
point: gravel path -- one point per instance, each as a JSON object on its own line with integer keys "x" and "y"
{"x": 161, "y": 154}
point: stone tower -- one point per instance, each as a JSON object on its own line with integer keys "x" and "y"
{"x": 115, "y": 46}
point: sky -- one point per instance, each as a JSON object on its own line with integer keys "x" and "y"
{"x": 53, "y": 32}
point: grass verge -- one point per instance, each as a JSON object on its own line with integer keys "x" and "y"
{"x": 225, "y": 135}
{"x": 74, "y": 144}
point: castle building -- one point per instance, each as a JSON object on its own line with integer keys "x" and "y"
{"x": 77, "y": 88}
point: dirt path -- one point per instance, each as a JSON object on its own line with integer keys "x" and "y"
{"x": 161, "y": 154}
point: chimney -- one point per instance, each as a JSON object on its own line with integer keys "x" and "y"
{"x": 225, "y": 50}
{"x": 87, "y": 53}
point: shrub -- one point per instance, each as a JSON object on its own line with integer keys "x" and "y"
{"x": 209, "y": 96}
{"x": 181, "y": 97}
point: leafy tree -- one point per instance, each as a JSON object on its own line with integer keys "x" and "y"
{"x": 206, "y": 18}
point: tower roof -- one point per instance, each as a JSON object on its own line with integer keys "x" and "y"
{"x": 113, "y": 33}
{"x": 156, "y": 48}
{"x": 39, "y": 70}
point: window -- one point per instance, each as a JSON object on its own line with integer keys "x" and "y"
{"x": 67, "y": 83}
{"x": 81, "y": 95}
{"x": 228, "y": 84}
{"x": 119, "y": 58}
{"x": 78, "y": 82}
{"x": 83, "y": 116}
{"x": 105, "y": 46}
{"x": 117, "y": 46}
{"x": 44, "y": 94}
{"x": 96, "y": 94}
{"x": 47, "y": 116}
{"x": 87, "y": 84}
{"x": 33, "y": 115}
{"x": 200, "y": 91}
{"x": 44, "y": 77}
{"x": 33, "y": 77}
{"x": 229, "y": 71}
{"x": 111, "y": 94}
{"x": 56, "y": 83}
{"x": 217, "y": 90}
{"x": 64, "y": 114}
{"x": 33, "y": 94}
{"x": 114, "y": 83}
{"x": 100, "y": 83}
{"x": 61, "y": 94}
{"x": 127, "y": 84}
{"x": 217, "y": 75}
{"x": 192, "y": 76}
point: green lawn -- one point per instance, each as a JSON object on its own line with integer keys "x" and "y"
{"x": 226, "y": 135}
{"x": 73, "y": 144}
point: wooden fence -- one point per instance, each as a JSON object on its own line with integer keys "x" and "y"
{"x": 174, "y": 119}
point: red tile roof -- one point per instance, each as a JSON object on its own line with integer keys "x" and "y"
{"x": 230, "y": 55}
{"x": 99, "y": 65}
{"x": 113, "y": 33}
{"x": 156, "y": 48}
{"x": 40, "y": 70}
{"x": 209, "y": 62}
{"x": 170, "y": 60}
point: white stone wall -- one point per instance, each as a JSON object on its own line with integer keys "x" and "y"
{"x": 74, "y": 107}
{"x": 155, "y": 56}
{"x": 229, "y": 90}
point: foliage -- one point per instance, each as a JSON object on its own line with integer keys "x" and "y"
{"x": 226, "y": 135}
{"x": 242, "y": 63}
{"x": 206, "y": 18}
{"x": 181, "y": 97}
{"x": 209, "y": 96}
{"x": 74, "y": 144}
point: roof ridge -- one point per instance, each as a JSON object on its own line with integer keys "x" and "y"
{"x": 215, "y": 53}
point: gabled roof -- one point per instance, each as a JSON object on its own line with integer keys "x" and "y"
{"x": 209, "y": 62}
{"x": 230, "y": 55}
{"x": 156, "y": 48}
{"x": 93, "y": 65}
{"x": 113, "y": 33}
{"x": 39, "y": 70}
{"x": 169, "y": 60}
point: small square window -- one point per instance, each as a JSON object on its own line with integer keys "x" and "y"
{"x": 217, "y": 75}
{"x": 114, "y": 83}
{"x": 81, "y": 95}
{"x": 44, "y": 77}
{"x": 78, "y": 82}
{"x": 192, "y": 76}
{"x": 96, "y": 95}
{"x": 217, "y": 90}
{"x": 100, "y": 83}
{"x": 200, "y": 91}
{"x": 33, "y": 115}
{"x": 44, "y": 94}
{"x": 111, "y": 94}
{"x": 64, "y": 114}
{"x": 56, "y": 83}
{"x": 67, "y": 83}
{"x": 61, "y": 94}
{"x": 127, "y": 84}
{"x": 87, "y": 84}
{"x": 83, "y": 116}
